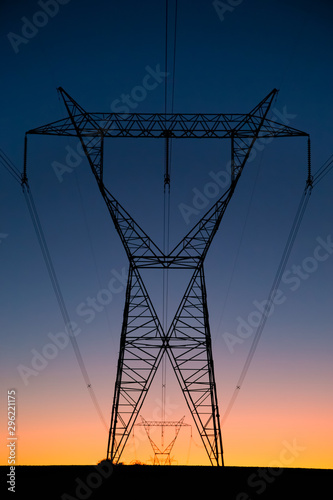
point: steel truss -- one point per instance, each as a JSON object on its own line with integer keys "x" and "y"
{"x": 162, "y": 457}
{"x": 187, "y": 341}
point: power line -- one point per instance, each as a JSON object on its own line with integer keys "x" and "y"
{"x": 10, "y": 167}
{"x": 166, "y": 212}
{"x": 323, "y": 170}
{"x": 166, "y": 56}
{"x": 174, "y": 58}
{"x": 281, "y": 268}
{"x": 56, "y": 287}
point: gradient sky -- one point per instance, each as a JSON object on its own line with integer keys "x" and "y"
{"x": 98, "y": 51}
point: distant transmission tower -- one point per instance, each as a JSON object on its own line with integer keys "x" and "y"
{"x": 144, "y": 339}
{"x": 162, "y": 456}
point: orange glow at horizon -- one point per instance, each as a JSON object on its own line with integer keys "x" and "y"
{"x": 57, "y": 442}
{"x": 272, "y": 424}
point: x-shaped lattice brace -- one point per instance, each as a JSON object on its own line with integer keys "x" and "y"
{"x": 187, "y": 341}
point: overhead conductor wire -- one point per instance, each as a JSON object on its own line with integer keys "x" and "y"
{"x": 166, "y": 209}
{"x": 281, "y": 268}
{"x": 23, "y": 180}
{"x": 165, "y": 222}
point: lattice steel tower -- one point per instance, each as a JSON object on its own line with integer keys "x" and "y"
{"x": 143, "y": 340}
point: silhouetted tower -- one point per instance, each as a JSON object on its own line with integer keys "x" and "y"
{"x": 162, "y": 455}
{"x": 143, "y": 340}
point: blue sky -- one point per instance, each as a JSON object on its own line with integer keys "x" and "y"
{"x": 98, "y": 52}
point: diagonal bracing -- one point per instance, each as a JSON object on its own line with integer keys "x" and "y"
{"x": 187, "y": 341}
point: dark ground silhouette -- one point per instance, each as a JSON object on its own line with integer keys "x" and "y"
{"x": 104, "y": 481}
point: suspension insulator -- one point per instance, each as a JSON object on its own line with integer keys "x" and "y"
{"x": 309, "y": 180}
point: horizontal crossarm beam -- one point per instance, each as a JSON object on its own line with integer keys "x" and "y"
{"x": 171, "y": 125}
{"x": 176, "y": 126}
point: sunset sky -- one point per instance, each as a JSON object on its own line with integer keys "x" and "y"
{"x": 226, "y": 62}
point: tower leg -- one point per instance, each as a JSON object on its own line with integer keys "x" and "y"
{"x": 140, "y": 353}
{"x": 190, "y": 353}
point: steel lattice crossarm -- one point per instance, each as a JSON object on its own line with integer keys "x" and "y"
{"x": 163, "y": 423}
{"x": 241, "y": 129}
{"x": 143, "y": 340}
{"x": 161, "y": 125}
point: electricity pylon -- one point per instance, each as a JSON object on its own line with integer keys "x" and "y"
{"x": 187, "y": 341}
{"x": 162, "y": 456}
